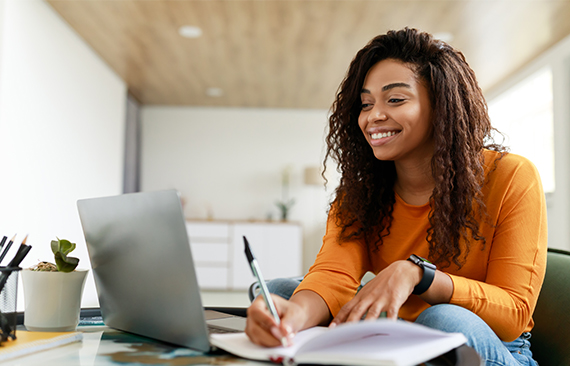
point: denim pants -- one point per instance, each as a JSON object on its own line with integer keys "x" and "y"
{"x": 452, "y": 318}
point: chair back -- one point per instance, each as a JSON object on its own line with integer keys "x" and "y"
{"x": 550, "y": 342}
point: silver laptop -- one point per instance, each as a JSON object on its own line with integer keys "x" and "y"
{"x": 143, "y": 269}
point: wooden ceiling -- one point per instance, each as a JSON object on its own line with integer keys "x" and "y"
{"x": 294, "y": 53}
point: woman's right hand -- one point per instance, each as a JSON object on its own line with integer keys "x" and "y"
{"x": 261, "y": 327}
{"x": 305, "y": 309}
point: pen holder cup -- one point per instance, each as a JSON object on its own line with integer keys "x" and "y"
{"x": 8, "y": 302}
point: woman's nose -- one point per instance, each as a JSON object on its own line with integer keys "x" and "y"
{"x": 377, "y": 114}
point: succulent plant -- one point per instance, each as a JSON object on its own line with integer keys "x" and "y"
{"x": 61, "y": 248}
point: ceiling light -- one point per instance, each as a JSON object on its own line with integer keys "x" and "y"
{"x": 190, "y": 31}
{"x": 214, "y": 92}
{"x": 444, "y": 36}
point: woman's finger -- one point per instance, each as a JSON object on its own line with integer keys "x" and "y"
{"x": 343, "y": 313}
{"x": 258, "y": 311}
{"x": 374, "y": 311}
{"x": 261, "y": 326}
{"x": 358, "y": 311}
{"x": 259, "y": 334}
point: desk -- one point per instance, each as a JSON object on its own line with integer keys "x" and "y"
{"x": 102, "y": 346}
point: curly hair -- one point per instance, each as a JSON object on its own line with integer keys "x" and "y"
{"x": 365, "y": 197}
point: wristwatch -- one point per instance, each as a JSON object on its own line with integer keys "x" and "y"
{"x": 429, "y": 273}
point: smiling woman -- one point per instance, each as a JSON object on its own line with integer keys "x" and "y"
{"x": 422, "y": 178}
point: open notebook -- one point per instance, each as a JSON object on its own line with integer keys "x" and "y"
{"x": 382, "y": 342}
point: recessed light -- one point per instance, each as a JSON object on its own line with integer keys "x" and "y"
{"x": 190, "y": 31}
{"x": 214, "y": 92}
{"x": 444, "y": 36}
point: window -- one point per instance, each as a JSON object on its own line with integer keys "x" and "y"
{"x": 524, "y": 115}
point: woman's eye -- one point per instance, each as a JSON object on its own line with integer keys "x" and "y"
{"x": 395, "y": 100}
{"x": 365, "y": 105}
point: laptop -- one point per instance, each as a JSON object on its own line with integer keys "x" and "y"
{"x": 143, "y": 269}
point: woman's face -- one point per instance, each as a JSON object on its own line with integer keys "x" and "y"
{"x": 396, "y": 113}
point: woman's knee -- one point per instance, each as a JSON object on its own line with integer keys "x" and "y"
{"x": 455, "y": 319}
{"x": 283, "y": 287}
{"x": 449, "y": 318}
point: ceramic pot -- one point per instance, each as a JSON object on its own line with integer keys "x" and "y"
{"x": 52, "y": 299}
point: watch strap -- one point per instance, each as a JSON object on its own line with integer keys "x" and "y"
{"x": 428, "y": 274}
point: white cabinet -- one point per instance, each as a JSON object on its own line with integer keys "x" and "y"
{"x": 218, "y": 251}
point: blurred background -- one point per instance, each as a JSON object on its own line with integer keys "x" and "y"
{"x": 227, "y": 102}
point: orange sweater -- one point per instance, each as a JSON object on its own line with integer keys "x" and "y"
{"x": 500, "y": 282}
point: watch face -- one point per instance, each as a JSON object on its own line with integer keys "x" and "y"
{"x": 427, "y": 263}
{"x": 421, "y": 261}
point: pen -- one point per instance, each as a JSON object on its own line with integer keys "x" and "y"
{"x": 264, "y": 291}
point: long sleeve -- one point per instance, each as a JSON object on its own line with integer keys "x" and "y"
{"x": 499, "y": 280}
{"x": 505, "y": 298}
{"x": 338, "y": 268}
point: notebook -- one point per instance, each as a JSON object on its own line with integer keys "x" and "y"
{"x": 31, "y": 342}
{"x": 143, "y": 269}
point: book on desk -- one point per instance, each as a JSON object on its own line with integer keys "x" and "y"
{"x": 30, "y": 342}
{"x": 382, "y": 342}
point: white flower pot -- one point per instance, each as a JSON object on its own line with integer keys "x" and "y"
{"x": 52, "y": 299}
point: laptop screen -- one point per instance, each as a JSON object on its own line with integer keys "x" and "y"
{"x": 143, "y": 268}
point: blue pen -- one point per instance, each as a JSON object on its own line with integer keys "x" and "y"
{"x": 264, "y": 291}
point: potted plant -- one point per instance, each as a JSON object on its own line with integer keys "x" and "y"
{"x": 52, "y": 292}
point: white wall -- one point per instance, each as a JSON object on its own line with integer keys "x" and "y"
{"x": 61, "y": 129}
{"x": 227, "y": 162}
{"x": 558, "y": 203}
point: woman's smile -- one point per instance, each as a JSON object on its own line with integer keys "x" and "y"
{"x": 381, "y": 138}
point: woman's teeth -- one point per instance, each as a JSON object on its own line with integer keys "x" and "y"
{"x": 382, "y": 134}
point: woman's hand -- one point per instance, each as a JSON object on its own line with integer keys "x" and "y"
{"x": 386, "y": 292}
{"x": 305, "y": 309}
{"x": 261, "y": 327}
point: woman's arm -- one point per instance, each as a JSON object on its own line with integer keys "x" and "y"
{"x": 506, "y": 296}
{"x": 388, "y": 291}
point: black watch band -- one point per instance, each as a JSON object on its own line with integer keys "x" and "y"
{"x": 429, "y": 273}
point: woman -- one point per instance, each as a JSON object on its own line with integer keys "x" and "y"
{"x": 421, "y": 179}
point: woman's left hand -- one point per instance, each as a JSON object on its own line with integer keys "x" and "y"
{"x": 386, "y": 292}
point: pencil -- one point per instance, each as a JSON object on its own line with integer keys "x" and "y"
{"x": 5, "y": 251}
{"x": 3, "y": 241}
{"x": 20, "y": 254}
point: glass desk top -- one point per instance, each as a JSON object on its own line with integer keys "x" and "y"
{"x": 102, "y": 346}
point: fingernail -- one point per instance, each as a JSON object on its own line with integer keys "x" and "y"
{"x": 276, "y": 333}
{"x": 332, "y": 325}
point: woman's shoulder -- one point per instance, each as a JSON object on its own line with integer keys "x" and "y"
{"x": 504, "y": 167}
{"x": 507, "y": 163}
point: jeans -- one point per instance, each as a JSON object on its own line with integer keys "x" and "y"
{"x": 452, "y": 318}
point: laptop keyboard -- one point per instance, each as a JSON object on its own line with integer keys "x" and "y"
{"x": 217, "y": 330}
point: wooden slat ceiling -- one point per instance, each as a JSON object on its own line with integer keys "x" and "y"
{"x": 293, "y": 53}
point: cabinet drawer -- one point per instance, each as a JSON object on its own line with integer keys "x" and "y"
{"x": 212, "y": 230}
{"x": 210, "y": 252}
{"x": 212, "y": 277}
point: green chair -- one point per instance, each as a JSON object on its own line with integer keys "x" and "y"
{"x": 550, "y": 342}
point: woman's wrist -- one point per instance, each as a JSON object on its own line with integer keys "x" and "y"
{"x": 314, "y": 308}
{"x": 414, "y": 271}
